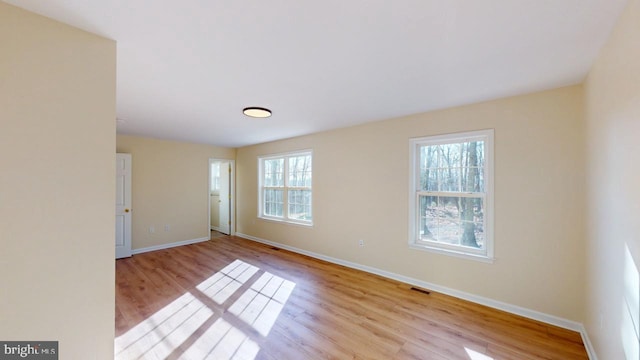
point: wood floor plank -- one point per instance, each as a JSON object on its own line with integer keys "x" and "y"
{"x": 417, "y": 352}
{"x": 234, "y": 298}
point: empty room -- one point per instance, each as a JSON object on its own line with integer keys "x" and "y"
{"x": 320, "y": 180}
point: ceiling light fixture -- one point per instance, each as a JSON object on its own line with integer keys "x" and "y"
{"x": 256, "y": 112}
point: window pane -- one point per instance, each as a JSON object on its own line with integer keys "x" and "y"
{"x": 452, "y": 220}
{"x": 450, "y": 155}
{"x": 300, "y": 171}
{"x": 428, "y": 165}
{"x": 479, "y": 233}
{"x": 472, "y": 180}
{"x": 299, "y": 204}
{"x": 274, "y": 172}
{"x": 474, "y": 160}
{"x": 457, "y": 167}
{"x": 449, "y": 179}
{"x": 273, "y": 202}
{"x": 443, "y": 216}
{"x": 428, "y": 224}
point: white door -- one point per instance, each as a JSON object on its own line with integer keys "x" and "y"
{"x": 123, "y": 205}
{"x": 225, "y": 198}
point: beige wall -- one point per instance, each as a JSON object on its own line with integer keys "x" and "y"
{"x": 361, "y": 192}
{"x": 57, "y": 111}
{"x": 57, "y": 142}
{"x": 613, "y": 232}
{"x": 170, "y": 184}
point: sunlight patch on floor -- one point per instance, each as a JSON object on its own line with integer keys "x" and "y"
{"x": 164, "y": 331}
{"x": 474, "y": 355}
{"x": 260, "y": 305}
{"x": 222, "y": 341}
{"x": 186, "y": 327}
{"x": 221, "y": 285}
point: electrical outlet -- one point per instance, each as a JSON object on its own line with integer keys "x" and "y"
{"x": 361, "y": 243}
{"x": 152, "y": 229}
{"x": 166, "y": 227}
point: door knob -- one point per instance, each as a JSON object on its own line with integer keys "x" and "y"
{"x": 126, "y": 210}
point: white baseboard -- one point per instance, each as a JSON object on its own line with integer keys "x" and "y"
{"x": 587, "y": 343}
{"x": 517, "y": 310}
{"x": 167, "y": 246}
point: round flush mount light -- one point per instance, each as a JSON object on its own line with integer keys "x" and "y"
{"x": 256, "y": 112}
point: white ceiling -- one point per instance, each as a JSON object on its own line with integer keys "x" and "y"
{"x": 186, "y": 69}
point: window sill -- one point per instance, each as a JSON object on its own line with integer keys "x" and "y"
{"x": 288, "y": 222}
{"x": 458, "y": 254}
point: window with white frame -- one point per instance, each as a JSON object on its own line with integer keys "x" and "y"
{"x": 451, "y": 194}
{"x": 285, "y": 187}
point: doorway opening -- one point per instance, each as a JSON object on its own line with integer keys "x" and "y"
{"x": 222, "y": 196}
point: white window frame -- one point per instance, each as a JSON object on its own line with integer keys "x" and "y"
{"x": 285, "y": 211}
{"x": 415, "y": 242}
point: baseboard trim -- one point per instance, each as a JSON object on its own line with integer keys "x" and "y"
{"x": 517, "y": 310}
{"x": 591, "y": 352}
{"x": 168, "y": 246}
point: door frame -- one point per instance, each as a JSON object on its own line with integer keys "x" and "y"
{"x": 232, "y": 192}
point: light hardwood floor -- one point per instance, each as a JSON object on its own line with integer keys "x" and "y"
{"x": 234, "y": 298}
